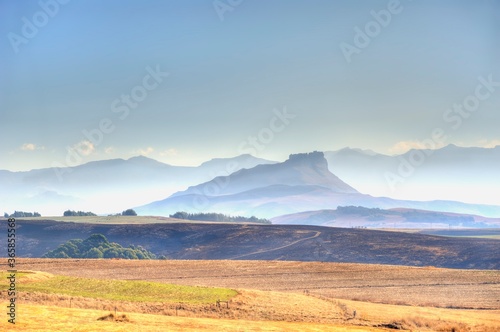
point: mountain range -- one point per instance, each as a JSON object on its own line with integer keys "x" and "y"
{"x": 467, "y": 174}
{"x": 107, "y": 186}
{"x": 248, "y": 185}
{"x": 301, "y": 183}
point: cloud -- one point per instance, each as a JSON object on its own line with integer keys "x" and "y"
{"x": 31, "y": 147}
{"x": 85, "y": 148}
{"x": 109, "y": 150}
{"x": 145, "y": 151}
{"x": 405, "y": 146}
{"x": 484, "y": 143}
{"x": 169, "y": 152}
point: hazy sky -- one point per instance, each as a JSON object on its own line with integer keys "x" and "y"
{"x": 186, "y": 81}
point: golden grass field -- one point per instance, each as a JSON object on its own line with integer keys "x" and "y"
{"x": 271, "y": 296}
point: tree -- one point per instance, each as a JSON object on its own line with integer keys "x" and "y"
{"x": 71, "y": 213}
{"x": 111, "y": 253}
{"x": 130, "y": 253}
{"x": 68, "y": 213}
{"x": 94, "y": 241}
{"x": 94, "y": 253}
{"x": 129, "y": 212}
{"x": 21, "y": 214}
{"x": 61, "y": 254}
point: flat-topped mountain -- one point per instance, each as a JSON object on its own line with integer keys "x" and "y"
{"x": 305, "y": 169}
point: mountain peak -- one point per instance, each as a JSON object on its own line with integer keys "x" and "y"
{"x": 315, "y": 156}
{"x": 303, "y": 169}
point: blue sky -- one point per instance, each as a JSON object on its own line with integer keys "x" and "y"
{"x": 228, "y": 78}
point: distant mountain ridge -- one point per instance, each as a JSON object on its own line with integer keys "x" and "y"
{"x": 467, "y": 174}
{"x": 249, "y": 185}
{"x": 108, "y": 186}
{"x": 301, "y": 183}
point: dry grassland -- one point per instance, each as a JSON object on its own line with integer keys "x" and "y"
{"x": 272, "y": 295}
{"x": 446, "y": 288}
{"x": 42, "y": 318}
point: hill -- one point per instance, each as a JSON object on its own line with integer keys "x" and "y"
{"x": 358, "y": 216}
{"x": 268, "y": 242}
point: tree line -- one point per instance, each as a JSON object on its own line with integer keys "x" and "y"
{"x": 71, "y": 213}
{"x": 217, "y": 217}
{"x": 21, "y": 214}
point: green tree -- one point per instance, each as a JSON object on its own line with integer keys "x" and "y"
{"x": 94, "y": 253}
{"x": 129, "y": 212}
{"x": 61, "y": 254}
{"x": 111, "y": 253}
{"x": 95, "y": 240}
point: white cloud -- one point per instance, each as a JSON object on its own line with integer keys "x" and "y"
{"x": 145, "y": 151}
{"x": 84, "y": 148}
{"x": 169, "y": 152}
{"x": 484, "y": 143}
{"x": 109, "y": 150}
{"x": 405, "y": 146}
{"x": 31, "y": 147}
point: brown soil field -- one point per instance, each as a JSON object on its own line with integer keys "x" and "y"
{"x": 428, "y": 286}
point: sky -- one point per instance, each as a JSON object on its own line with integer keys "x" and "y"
{"x": 186, "y": 81}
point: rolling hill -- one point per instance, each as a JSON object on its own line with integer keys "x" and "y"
{"x": 357, "y": 216}
{"x": 267, "y": 242}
